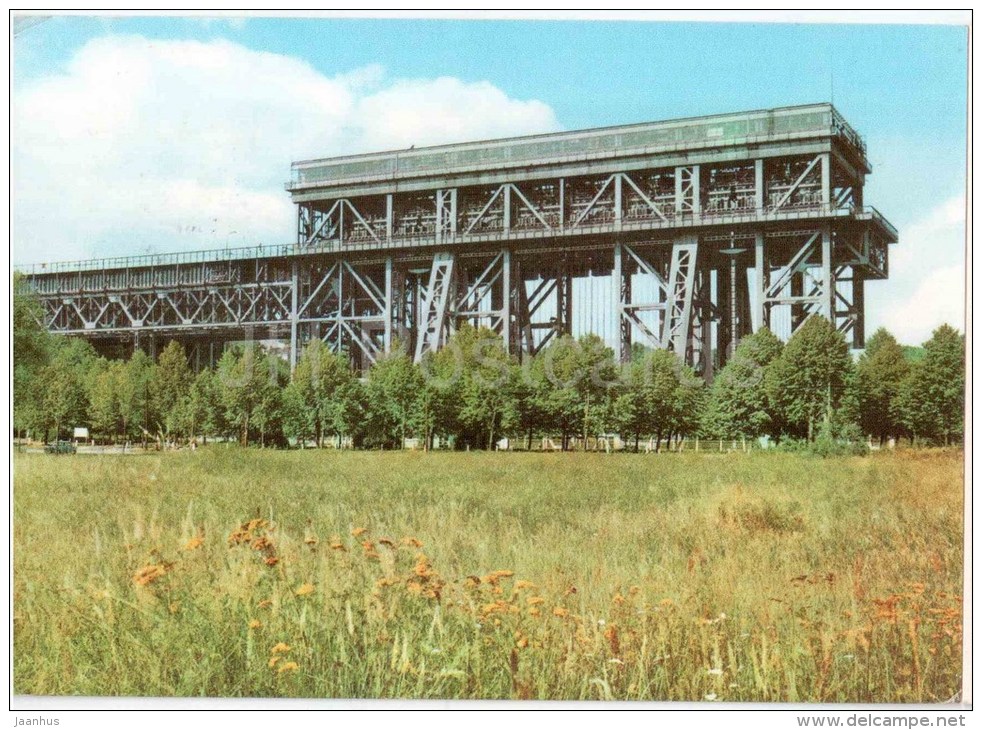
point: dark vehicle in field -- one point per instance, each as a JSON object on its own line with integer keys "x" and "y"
{"x": 60, "y": 447}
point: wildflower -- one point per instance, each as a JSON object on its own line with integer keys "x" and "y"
{"x": 272, "y": 661}
{"x": 287, "y": 667}
{"x": 358, "y": 531}
{"x": 665, "y": 602}
{"x": 262, "y": 543}
{"x": 522, "y": 642}
{"x": 711, "y": 696}
{"x": 150, "y": 573}
{"x": 715, "y": 672}
{"x": 414, "y": 588}
{"x": 535, "y": 600}
{"x": 272, "y": 561}
{"x": 472, "y": 581}
{"x": 423, "y": 569}
{"x": 305, "y": 590}
{"x": 618, "y": 599}
{"x": 560, "y": 611}
{"x": 601, "y": 622}
{"x": 255, "y": 624}
{"x": 521, "y": 585}
{"x": 534, "y": 612}
{"x": 280, "y": 648}
{"x": 412, "y": 542}
{"x": 194, "y": 543}
{"x": 336, "y": 544}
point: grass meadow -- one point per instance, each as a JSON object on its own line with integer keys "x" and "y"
{"x": 734, "y": 577}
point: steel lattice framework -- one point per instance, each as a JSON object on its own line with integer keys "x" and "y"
{"x": 701, "y": 230}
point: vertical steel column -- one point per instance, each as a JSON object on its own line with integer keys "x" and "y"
{"x": 387, "y": 336}
{"x": 506, "y": 213}
{"x": 388, "y": 217}
{"x": 759, "y": 185}
{"x": 562, "y": 203}
{"x": 859, "y": 305}
{"x": 618, "y": 204}
{"x": 696, "y": 194}
{"x": 827, "y": 309}
{"x": 760, "y": 318}
{"x": 617, "y": 302}
{"x": 826, "y": 180}
{"x": 506, "y": 299}
{"x": 294, "y": 314}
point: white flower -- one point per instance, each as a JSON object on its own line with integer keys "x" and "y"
{"x": 715, "y": 672}
{"x": 601, "y": 622}
{"x": 711, "y": 696}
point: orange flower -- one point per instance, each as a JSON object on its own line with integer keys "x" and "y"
{"x": 287, "y": 667}
{"x": 272, "y": 561}
{"x": 560, "y": 611}
{"x": 150, "y": 573}
{"x": 358, "y": 531}
{"x": 305, "y": 590}
{"x": 255, "y": 624}
{"x": 272, "y": 661}
{"x": 280, "y": 648}
{"x": 414, "y": 587}
{"x": 523, "y": 584}
{"x": 618, "y": 599}
{"x": 412, "y": 542}
{"x": 194, "y": 543}
{"x": 534, "y": 611}
{"x": 472, "y": 581}
{"x": 535, "y": 600}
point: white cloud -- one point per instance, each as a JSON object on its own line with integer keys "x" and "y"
{"x": 938, "y": 299}
{"x": 926, "y": 287}
{"x": 177, "y": 144}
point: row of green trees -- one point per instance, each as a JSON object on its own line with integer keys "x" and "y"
{"x": 473, "y": 393}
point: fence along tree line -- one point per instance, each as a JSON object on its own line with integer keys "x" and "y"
{"x": 471, "y": 393}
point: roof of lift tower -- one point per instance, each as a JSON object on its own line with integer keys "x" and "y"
{"x": 785, "y": 124}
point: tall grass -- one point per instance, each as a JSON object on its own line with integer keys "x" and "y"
{"x": 735, "y": 577}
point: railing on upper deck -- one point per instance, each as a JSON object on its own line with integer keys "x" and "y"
{"x": 734, "y": 217}
{"x": 159, "y": 259}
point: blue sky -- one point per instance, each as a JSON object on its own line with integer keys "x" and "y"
{"x": 122, "y": 119}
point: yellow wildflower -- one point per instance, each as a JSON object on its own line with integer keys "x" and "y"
{"x": 305, "y": 590}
